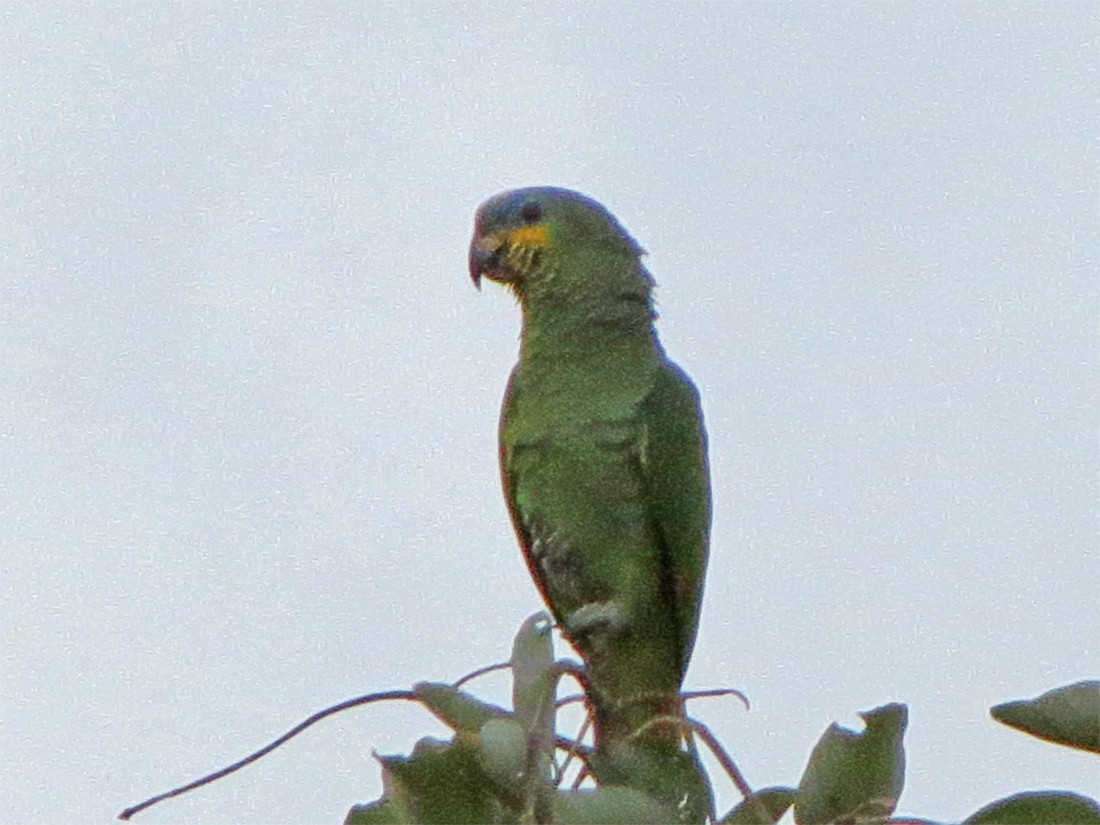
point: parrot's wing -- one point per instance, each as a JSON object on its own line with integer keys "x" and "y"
{"x": 676, "y": 480}
{"x": 508, "y": 482}
{"x": 669, "y": 449}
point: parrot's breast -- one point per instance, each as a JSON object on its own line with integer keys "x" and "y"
{"x": 593, "y": 401}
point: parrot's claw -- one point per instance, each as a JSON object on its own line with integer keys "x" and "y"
{"x": 595, "y": 618}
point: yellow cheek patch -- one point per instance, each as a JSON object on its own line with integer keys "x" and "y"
{"x": 537, "y": 235}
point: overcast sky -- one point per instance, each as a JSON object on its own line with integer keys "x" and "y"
{"x": 249, "y": 395}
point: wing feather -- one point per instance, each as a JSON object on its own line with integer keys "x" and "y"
{"x": 676, "y": 481}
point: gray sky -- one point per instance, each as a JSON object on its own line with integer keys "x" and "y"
{"x": 250, "y": 397}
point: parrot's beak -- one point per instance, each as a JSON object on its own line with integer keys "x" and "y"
{"x": 484, "y": 256}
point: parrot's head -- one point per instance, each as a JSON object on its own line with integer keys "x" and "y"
{"x": 523, "y": 236}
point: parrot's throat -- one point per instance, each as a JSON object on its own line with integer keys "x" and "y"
{"x": 584, "y": 333}
{"x": 611, "y": 309}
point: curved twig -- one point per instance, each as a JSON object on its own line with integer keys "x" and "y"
{"x": 481, "y": 671}
{"x": 716, "y": 692}
{"x": 724, "y": 759}
{"x": 268, "y": 748}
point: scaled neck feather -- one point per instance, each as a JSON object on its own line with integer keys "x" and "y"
{"x": 610, "y": 309}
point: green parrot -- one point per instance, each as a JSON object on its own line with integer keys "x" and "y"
{"x": 603, "y": 456}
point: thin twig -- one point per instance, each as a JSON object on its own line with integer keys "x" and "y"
{"x": 574, "y": 669}
{"x": 481, "y": 671}
{"x": 574, "y": 748}
{"x": 724, "y": 759}
{"x": 568, "y": 700}
{"x": 730, "y": 767}
{"x": 266, "y": 749}
{"x": 717, "y": 692}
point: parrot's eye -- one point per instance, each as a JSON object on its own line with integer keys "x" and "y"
{"x": 531, "y": 212}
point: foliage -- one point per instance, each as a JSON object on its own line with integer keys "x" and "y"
{"x": 505, "y": 766}
{"x": 1068, "y": 715}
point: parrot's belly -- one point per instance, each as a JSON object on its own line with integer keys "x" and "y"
{"x": 590, "y": 541}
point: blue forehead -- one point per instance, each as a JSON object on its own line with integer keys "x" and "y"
{"x": 504, "y": 209}
{"x": 508, "y": 204}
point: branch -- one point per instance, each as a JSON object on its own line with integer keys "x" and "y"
{"x": 266, "y": 749}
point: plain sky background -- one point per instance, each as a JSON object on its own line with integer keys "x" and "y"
{"x": 249, "y": 396}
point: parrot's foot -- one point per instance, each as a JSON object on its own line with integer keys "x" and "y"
{"x": 596, "y": 618}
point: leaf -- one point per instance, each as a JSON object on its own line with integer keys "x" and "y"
{"x": 534, "y": 684}
{"x": 457, "y": 709}
{"x": 1067, "y": 715}
{"x": 609, "y": 805}
{"x": 382, "y": 812}
{"x": 773, "y": 802}
{"x": 503, "y": 752}
{"x": 442, "y": 783}
{"x": 1038, "y": 808}
{"x": 855, "y": 775}
{"x": 533, "y": 674}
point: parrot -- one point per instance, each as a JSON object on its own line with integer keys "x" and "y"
{"x": 603, "y": 456}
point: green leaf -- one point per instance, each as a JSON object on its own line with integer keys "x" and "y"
{"x": 382, "y": 812}
{"x": 520, "y": 774}
{"x": 533, "y": 674}
{"x": 503, "y": 752}
{"x": 457, "y": 709}
{"x": 388, "y": 810}
{"x": 1067, "y": 715}
{"x": 855, "y": 775}
{"x": 762, "y": 808}
{"x": 443, "y": 783}
{"x": 534, "y": 684}
{"x": 609, "y": 805}
{"x": 1039, "y": 808}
